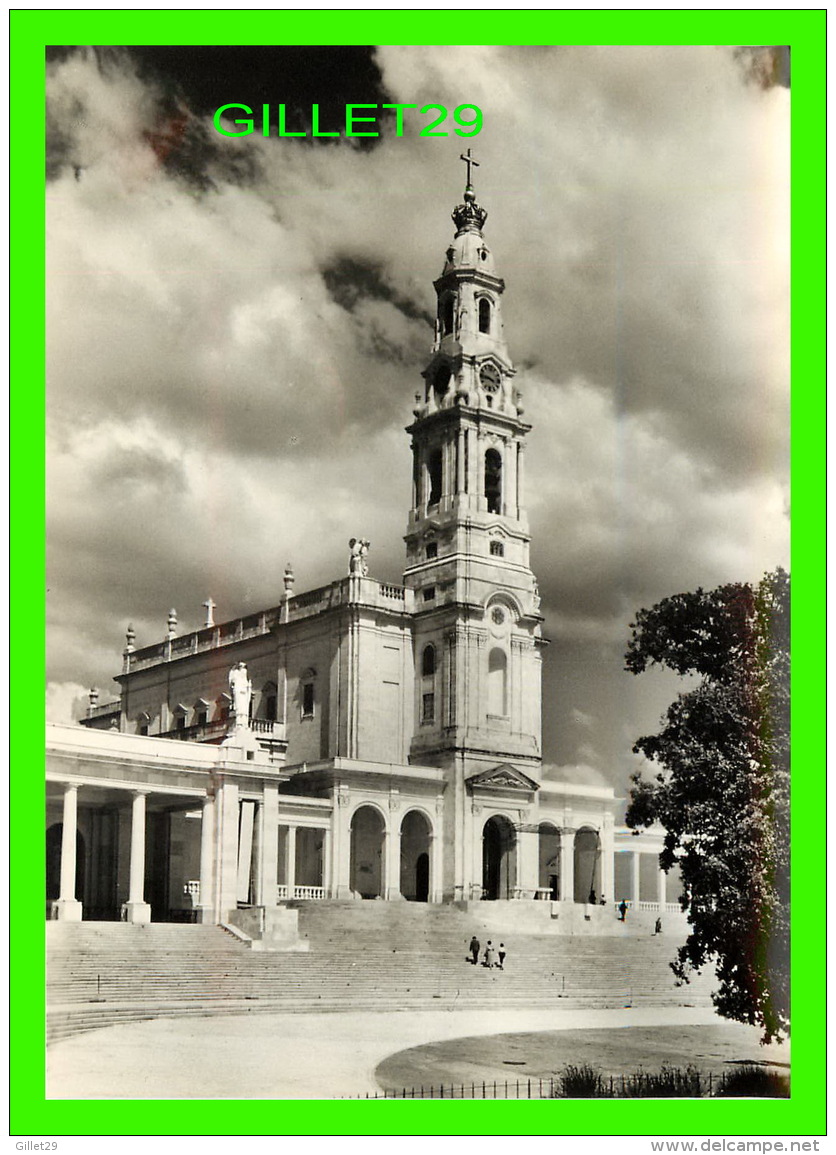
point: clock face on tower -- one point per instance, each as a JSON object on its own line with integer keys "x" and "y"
{"x": 489, "y": 378}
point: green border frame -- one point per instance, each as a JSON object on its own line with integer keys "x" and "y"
{"x": 804, "y": 1114}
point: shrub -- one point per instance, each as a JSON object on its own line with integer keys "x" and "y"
{"x": 582, "y": 1082}
{"x": 752, "y": 1081}
{"x": 668, "y": 1083}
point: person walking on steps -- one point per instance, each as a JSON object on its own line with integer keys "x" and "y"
{"x": 501, "y": 952}
{"x": 474, "y": 948}
{"x": 490, "y": 955}
{"x": 622, "y": 910}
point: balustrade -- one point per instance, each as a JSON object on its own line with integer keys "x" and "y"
{"x": 302, "y": 892}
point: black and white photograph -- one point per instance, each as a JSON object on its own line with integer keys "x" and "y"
{"x": 418, "y": 554}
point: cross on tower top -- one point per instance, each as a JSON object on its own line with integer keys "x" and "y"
{"x": 471, "y": 162}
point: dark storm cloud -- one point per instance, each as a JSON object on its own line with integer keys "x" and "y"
{"x": 187, "y": 86}
{"x": 348, "y": 280}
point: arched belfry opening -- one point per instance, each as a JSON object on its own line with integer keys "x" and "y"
{"x": 484, "y": 315}
{"x": 434, "y": 471}
{"x": 448, "y": 310}
{"x": 367, "y": 843}
{"x": 493, "y": 480}
{"x": 587, "y": 865}
{"x": 415, "y": 857}
{"x": 441, "y": 380}
{"x": 499, "y": 858}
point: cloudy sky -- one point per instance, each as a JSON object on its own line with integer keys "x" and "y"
{"x": 236, "y": 329}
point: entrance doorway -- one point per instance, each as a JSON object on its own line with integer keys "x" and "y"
{"x": 415, "y": 857}
{"x": 367, "y": 835}
{"x": 499, "y": 860}
{"x": 549, "y": 870}
{"x": 587, "y": 866}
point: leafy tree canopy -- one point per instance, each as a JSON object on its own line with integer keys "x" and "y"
{"x": 722, "y": 787}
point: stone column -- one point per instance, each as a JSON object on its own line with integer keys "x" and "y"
{"x": 635, "y": 889}
{"x": 436, "y": 887}
{"x": 206, "y": 905}
{"x": 607, "y": 860}
{"x": 509, "y": 481}
{"x": 340, "y": 845}
{"x": 481, "y": 500}
{"x": 268, "y": 846}
{"x": 392, "y": 845}
{"x": 477, "y": 829}
{"x": 245, "y": 851}
{"x": 520, "y": 477}
{"x": 528, "y": 861}
{"x": 257, "y": 853}
{"x": 290, "y": 861}
{"x": 472, "y": 472}
{"x": 136, "y": 908}
{"x": 326, "y": 880}
{"x": 660, "y": 891}
{"x": 461, "y": 481}
{"x": 67, "y": 908}
{"x": 226, "y": 815}
{"x": 567, "y": 864}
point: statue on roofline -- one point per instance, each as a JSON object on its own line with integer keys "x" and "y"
{"x": 241, "y": 689}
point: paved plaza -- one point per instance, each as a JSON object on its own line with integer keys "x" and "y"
{"x": 291, "y": 1056}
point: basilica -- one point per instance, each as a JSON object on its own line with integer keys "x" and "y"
{"x": 362, "y": 740}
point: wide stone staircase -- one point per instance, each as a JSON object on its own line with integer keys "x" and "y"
{"x": 363, "y": 956}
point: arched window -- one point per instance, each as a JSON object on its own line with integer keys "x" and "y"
{"x": 484, "y": 315}
{"x": 269, "y": 702}
{"x": 428, "y": 686}
{"x": 448, "y": 307}
{"x": 497, "y": 549}
{"x": 307, "y": 687}
{"x": 498, "y": 683}
{"x": 434, "y": 470}
{"x": 493, "y": 480}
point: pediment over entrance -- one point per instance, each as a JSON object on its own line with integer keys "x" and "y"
{"x": 503, "y": 777}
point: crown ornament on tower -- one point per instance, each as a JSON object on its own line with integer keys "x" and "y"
{"x": 469, "y": 217}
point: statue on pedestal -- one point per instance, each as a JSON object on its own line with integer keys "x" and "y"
{"x": 242, "y": 691}
{"x": 357, "y": 563}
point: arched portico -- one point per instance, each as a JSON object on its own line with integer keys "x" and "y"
{"x": 368, "y": 836}
{"x": 587, "y": 865}
{"x": 416, "y": 843}
{"x": 499, "y": 858}
{"x": 549, "y": 859}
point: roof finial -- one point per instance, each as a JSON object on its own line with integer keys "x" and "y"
{"x": 471, "y": 162}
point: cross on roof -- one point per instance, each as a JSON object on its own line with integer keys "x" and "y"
{"x": 470, "y": 162}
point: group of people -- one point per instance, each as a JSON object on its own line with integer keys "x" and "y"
{"x": 493, "y": 957}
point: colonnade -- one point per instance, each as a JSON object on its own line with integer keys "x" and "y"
{"x": 67, "y": 907}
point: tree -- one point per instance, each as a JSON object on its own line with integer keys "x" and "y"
{"x": 722, "y": 790}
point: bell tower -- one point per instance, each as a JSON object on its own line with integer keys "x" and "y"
{"x": 477, "y": 624}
